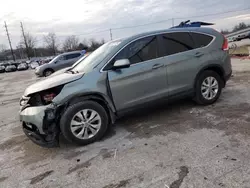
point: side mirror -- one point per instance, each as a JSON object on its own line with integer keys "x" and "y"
{"x": 120, "y": 64}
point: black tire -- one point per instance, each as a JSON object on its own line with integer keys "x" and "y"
{"x": 69, "y": 114}
{"x": 47, "y": 72}
{"x": 199, "y": 98}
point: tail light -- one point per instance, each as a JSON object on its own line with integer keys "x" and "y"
{"x": 225, "y": 44}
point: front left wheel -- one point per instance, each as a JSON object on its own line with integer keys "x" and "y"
{"x": 84, "y": 122}
{"x": 48, "y": 72}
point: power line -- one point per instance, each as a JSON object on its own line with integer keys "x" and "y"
{"x": 7, "y": 32}
{"x": 118, "y": 28}
{"x": 214, "y": 14}
{"x": 181, "y": 18}
{"x": 162, "y": 21}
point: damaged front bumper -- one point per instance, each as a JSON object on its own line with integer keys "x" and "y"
{"x": 40, "y": 124}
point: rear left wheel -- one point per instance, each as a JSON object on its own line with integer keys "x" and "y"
{"x": 84, "y": 123}
{"x": 208, "y": 87}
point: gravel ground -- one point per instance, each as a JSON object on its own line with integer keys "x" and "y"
{"x": 177, "y": 145}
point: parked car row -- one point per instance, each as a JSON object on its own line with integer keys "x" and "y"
{"x": 23, "y": 64}
{"x": 13, "y": 66}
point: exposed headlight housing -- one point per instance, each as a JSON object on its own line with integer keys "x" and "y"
{"x": 24, "y": 101}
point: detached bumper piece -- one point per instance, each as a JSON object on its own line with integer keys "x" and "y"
{"x": 49, "y": 140}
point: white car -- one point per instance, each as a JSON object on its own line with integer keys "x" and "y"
{"x": 2, "y": 69}
{"x": 22, "y": 66}
{"x": 34, "y": 65}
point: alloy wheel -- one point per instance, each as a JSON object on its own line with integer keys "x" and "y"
{"x": 85, "y": 124}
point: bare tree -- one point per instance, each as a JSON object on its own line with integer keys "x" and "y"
{"x": 240, "y": 26}
{"x": 2, "y": 47}
{"x": 31, "y": 43}
{"x": 71, "y": 43}
{"x": 51, "y": 42}
{"x": 83, "y": 45}
{"x": 224, "y": 31}
{"x": 94, "y": 44}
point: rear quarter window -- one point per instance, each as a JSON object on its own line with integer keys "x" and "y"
{"x": 201, "y": 40}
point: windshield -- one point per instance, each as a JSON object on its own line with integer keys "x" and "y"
{"x": 93, "y": 59}
{"x": 55, "y": 59}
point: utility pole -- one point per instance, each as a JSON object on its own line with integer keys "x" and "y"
{"x": 110, "y": 32}
{"x": 172, "y": 22}
{"x": 25, "y": 41}
{"x": 13, "y": 56}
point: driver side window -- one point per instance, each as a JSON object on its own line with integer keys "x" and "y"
{"x": 61, "y": 58}
{"x": 138, "y": 51}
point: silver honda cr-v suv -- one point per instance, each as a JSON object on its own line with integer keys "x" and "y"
{"x": 123, "y": 75}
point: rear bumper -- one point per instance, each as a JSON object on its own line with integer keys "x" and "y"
{"x": 39, "y": 125}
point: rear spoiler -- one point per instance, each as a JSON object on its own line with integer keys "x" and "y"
{"x": 192, "y": 24}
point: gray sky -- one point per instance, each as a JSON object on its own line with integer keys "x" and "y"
{"x": 86, "y": 17}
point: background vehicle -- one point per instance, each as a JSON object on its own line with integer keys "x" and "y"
{"x": 59, "y": 62}
{"x": 22, "y": 66}
{"x": 242, "y": 36}
{"x": 124, "y": 75}
{"x": 34, "y": 65}
{"x": 10, "y": 68}
{"x": 2, "y": 69}
{"x": 68, "y": 68}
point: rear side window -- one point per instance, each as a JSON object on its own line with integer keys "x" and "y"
{"x": 173, "y": 43}
{"x": 72, "y": 56}
{"x": 201, "y": 40}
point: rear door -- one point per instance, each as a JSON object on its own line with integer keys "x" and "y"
{"x": 183, "y": 58}
{"x": 145, "y": 79}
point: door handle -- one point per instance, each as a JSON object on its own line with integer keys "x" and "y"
{"x": 198, "y": 54}
{"x": 156, "y": 66}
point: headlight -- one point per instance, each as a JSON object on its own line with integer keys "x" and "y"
{"x": 24, "y": 101}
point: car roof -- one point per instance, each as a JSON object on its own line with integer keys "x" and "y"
{"x": 186, "y": 29}
{"x": 73, "y": 52}
{"x": 205, "y": 30}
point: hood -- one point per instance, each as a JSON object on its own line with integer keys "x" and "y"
{"x": 61, "y": 71}
{"x": 41, "y": 66}
{"x": 52, "y": 81}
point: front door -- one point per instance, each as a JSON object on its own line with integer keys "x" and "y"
{"x": 145, "y": 80}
